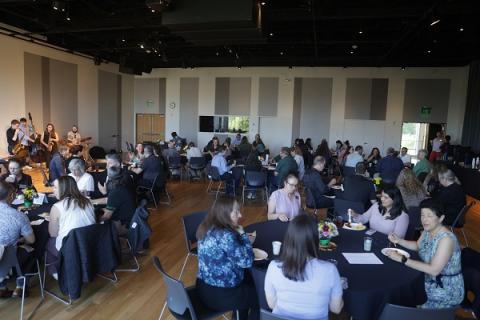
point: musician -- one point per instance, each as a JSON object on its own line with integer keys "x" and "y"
{"x": 74, "y": 136}
{"x": 25, "y": 133}
{"x": 49, "y": 141}
{"x": 12, "y": 135}
{"x": 15, "y": 176}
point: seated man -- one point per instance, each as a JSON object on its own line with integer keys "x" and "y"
{"x": 114, "y": 160}
{"x": 358, "y": 188}
{"x": 286, "y": 164}
{"x": 220, "y": 163}
{"x": 355, "y": 157}
{"x": 57, "y": 164}
{"x": 317, "y": 188}
{"x": 423, "y": 165}
{"x": 177, "y": 139}
{"x": 15, "y": 176}
{"x": 150, "y": 169}
{"x": 14, "y": 229}
{"x": 405, "y": 157}
{"x": 389, "y": 167}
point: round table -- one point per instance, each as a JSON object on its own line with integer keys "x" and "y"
{"x": 370, "y": 287}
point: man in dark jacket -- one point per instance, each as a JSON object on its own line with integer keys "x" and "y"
{"x": 358, "y": 188}
{"x": 285, "y": 165}
{"x": 316, "y": 187}
{"x": 390, "y": 167}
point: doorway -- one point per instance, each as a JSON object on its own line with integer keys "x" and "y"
{"x": 150, "y": 127}
{"x": 418, "y": 135}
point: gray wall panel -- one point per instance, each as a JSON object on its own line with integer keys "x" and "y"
{"x": 189, "y": 108}
{"x": 45, "y": 91}
{"x": 147, "y": 96}
{"x": 433, "y": 93}
{"x": 379, "y": 96}
{"x": 34, "y": 89}
{"x": 268, "y": 97}
{"x": 240, "y": 93}
{"x": 222, "y": 93}
{"x": 109, "y": 109}
{"x": 63, "y": 96}
{"x": 162, "y": 95}
{"x": 297, "y": 108}
{"x": 358, "y": 98}
{"x": 316, "y": 108}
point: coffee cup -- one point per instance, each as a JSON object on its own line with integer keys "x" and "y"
{"x": 276, "y": 246}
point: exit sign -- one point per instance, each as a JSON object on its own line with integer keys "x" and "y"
{"x": 426, "y": 111}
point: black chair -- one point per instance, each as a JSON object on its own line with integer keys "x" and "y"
{"x": 342, "y": 206}
{"x": 471, "y": 276}
{"x": 459, "y": 221}
{"x": 151, "y": 190}
{"x": 394, "y": 312}
{"x": 183, "y": 303}
{"x": 214, "y": 176}
{"x": 255, "y": 180}
{"x": 8, "y": 262}
{"x": 414, "y": 223}
{"x": 267, "y": 315}
{"x": 348, "y": 171}
{"x": 97, "y": 152}
{"x": 196, "y": 164}
{"x": 258, "y": 276}
{"x": 175, "y": 166}
{"x": 190, "y": 224}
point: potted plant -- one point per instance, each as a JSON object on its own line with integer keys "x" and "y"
{"x": 327, "y": 230}
{"x": 28, "y": 194}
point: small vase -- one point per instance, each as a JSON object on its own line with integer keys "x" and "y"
{"x": 324, "y": 242}
{"x": 27, "y": 203}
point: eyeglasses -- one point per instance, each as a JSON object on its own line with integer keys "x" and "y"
{"x": 294, "y": 185}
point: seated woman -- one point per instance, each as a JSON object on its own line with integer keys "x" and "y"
{"x": 439, "y": 252}
{"x": 411, "y": 188}
{"x": 224, "y": 252}
{"x": 120, "y": 202}
{"x": 388, "y": 216}
{"x": 15, "y": 176}
{"x": 259, "y": 145}
{"x": 372, "y": 161}
{"x": 84, "y": 180}
{"x": 300, "y": 284}
{"x": 137, "y": 157}
{"x": 73, "y": 210}
{"x": 451, "y": 195}
{"x": 284, "y": 204}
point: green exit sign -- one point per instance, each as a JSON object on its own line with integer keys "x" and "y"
{"x": 426, "y": 111}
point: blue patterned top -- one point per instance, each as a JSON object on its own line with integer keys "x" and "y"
{"x": 446, "y": 290}
{"x": 222, "y": 257}
{"x": 13, "y": 225}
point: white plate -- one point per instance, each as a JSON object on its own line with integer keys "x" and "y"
{"x": 355, "y": 226}
{"x": 259, "y": 254}
{"x": 400, "y": 251}
{"x": 336, "y": 187}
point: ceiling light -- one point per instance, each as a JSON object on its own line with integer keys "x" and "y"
{"x": 352, "y": 52}
{"x": 360, "y": 32}
{"x": 141, "y": 46}
{"x": 58, "y": 5}
{"x": 403, "y": 68}
{"x": 271, "y": 34}
{"x": 148, "y": 51}
{"x": 68, "y": 18}
{"x": 429, "y": 51}
{"x": 123, "y": 40}
{"x": 461, "y": 29}
{"x": 434, "y": 21}
{"x": 153, "y": 10}
{"x": 263, "y": 3}
{"x": 217, "y": 53}
{"x": 354, "y": 46}
{"x": 281, "y": 53}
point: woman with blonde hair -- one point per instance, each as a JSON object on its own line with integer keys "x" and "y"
{"x": 411, "y": 188}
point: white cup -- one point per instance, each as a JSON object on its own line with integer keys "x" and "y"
{"x": 276, "y": 245}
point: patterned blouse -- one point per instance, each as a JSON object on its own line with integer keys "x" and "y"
{"x": 222, "y": 257}
{"x": 446, "y": 290}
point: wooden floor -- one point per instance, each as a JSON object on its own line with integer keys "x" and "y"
{"x": 141, "y": 295}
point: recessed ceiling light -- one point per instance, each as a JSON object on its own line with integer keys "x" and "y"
{"x": 429, "y": 51}
{"x": 434, "y": 21}
{"x": 153, "y": 10}
{"x": 352, "y": 52}
{"x": 360, "y": 32}
{"x": 123, "y": 40}
{"x": 217, "y": 53}
{"x": 461, "y": 29}
{"x": 281, "y": 53}
{"x": 271, "y": 34}
{"x": 68, "y": 19}
{"x": 263, "y": 3}
{"x": 354, "y": 46}
{"x": 142, "y": 46}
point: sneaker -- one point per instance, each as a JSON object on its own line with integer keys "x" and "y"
{"x": 55, "y": 276}
{"x": 17, "y": 293}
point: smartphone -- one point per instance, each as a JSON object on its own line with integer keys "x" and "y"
{"x": 370, "y": 232}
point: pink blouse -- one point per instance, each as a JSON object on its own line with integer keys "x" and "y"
{"x": 399, "y": 225}
{"x": 284, "y": 204}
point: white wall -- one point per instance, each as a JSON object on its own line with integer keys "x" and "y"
{"x": 277, "y": 131}
{"x": 12, "y": 86}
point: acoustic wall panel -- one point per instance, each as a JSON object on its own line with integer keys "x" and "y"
{"x": 150, "y": 95}
{"x": 222, "y": 92}
{"x": 232, "y": 96}
{"x": 366, "y": 99}
{"x": 433, "y": 94}
{"x": 34, "y": 88}
{"x": 189, "y": 108}
{"x": 109, "y": 109}
{"x": 268, "y": 97}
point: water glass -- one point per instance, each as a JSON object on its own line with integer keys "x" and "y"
{"x": 367, "y": 244}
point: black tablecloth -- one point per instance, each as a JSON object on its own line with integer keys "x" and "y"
{"x": 470, "y": 179}
{"x": 370, "y": 287}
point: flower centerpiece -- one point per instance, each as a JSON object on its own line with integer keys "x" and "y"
{"x": 28, "y": 194}
{"x": 327, "y": 230}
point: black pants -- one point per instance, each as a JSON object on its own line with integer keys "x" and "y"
{"x": 242, "y": 298}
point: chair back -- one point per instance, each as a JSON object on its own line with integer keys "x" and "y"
{"x": 139, "y": 230}
{"x": 342, "y": 206}
{"x": 178, "y": 300}
{"x": 255, "y": 178}
{"x": 197, "y": 162}
{"x": 9, "y": 261}
{"x": 258, "y": 276}
{"x": 309, "y": 198}
{"x": 414, "y": 217}
{"x": 422, "y": 176}
{"x": 394, "y": 312}
{"x": 348, "y": 171}
{"x": 174, "y": 162}
{"x": 267, "y": 315}
{"x": 460, "y": 219}
{"x": 213, "y": 173}
{"x": 190, "y": 225}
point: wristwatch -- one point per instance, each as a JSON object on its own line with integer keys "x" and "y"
{"x": 404, "y": 259}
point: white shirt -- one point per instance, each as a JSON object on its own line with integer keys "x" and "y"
{"x": 193, "y": 152}
{"x": 406, "y": 158}
{"x": 71, "y": 218}
{"x": 308, "y": 299}
{"x": 85, "y": 182}
{"x": 353, "y": 159}
{"x": 437, "y": 144}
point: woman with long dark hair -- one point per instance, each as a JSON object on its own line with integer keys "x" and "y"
{"x": 324, "y": 151}
{"x": 308, "y": 143}
{"x": 49, "y": 140}
{"x": 388, "y": 216}
{"x": 224, "y": 252}
{"x": 299, "y": 284}
{"x": 73, "y": 210}
{"x": 440, "y": 258}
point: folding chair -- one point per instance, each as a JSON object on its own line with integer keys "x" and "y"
{"x": 255, "y": 180}
{"x": 459, "y": 221}
{"x": 394, "y": 312}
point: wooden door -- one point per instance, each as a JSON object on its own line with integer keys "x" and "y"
{"x": 150, "y": 127}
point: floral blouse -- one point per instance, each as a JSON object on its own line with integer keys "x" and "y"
{"x": 222, "y": 257}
